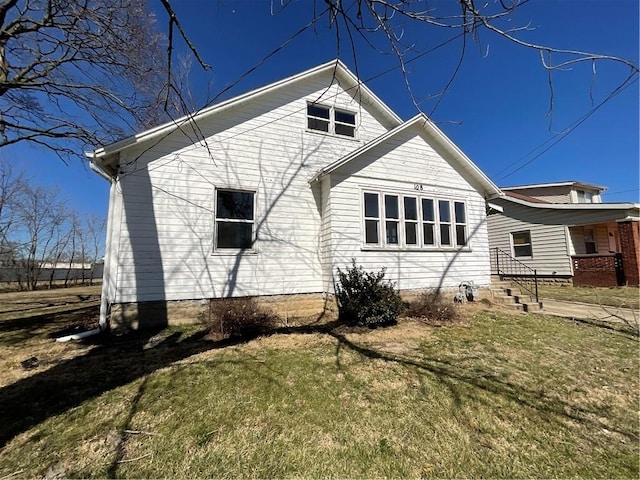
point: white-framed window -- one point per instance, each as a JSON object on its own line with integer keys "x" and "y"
{"x": 428, "y": 222}
{"x": 235, "y": 220}
{"x": 334, "y": 121}
{"x": 371, "y": 218}
{"x": 521, "y": 244}
{"x": 460, "y": 217}
{"x": 394, "y": 220}
{"x": 584, "y": 196}
{"x": 410, "y": 209}
{"x": 391, "y": 219}
{"x": 444, "y": 217}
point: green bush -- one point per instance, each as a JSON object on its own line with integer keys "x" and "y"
{"x": 238, "y": 318}
{"x": 365, "y": 298}
{"x": 433, "y": 306}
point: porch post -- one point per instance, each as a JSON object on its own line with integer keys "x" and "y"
{"x": 629, "y": 232}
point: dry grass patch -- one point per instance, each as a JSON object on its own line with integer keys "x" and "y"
{"x": 494, "y": 396}
{"x": 628, "y": 297}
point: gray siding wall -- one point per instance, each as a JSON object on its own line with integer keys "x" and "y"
{"x": 555, "y": 234}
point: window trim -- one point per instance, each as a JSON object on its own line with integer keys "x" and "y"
{"x": 420, "y": 222}
{"x": 513, "y": 245}
{"x": 416, "y": 222}
{"x": 441, "y": 223}
{"x": 593, "y": 241}
{"x": 377, "y": 219}
{"x": 233, "y": 251}
{"x": 433, "y": 223}
{"x": 464, "y": 224}
{"x": 332, "y": 121}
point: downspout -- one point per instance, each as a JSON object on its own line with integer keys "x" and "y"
{"x": 104, "y": 300}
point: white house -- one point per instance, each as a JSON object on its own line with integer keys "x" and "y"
{"x": 292, "y": 181}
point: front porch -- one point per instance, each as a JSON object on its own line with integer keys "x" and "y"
{"x": 605, "y": 254}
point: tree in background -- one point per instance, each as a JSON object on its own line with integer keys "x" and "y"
{"x": 75, "y": 73}
{"x": 41, "y": 238}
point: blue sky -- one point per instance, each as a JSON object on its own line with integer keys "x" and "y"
{"x": 496, "y": 109}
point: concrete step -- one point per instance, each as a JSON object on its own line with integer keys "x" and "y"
{"x": 532, "y": 307}
{"x": 504, "y": 293}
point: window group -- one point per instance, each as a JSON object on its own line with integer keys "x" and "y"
{"x": 331, "y": 120}
{"x": 412, "y": 221}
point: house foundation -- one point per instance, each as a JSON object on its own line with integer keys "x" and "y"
{"x": 298, "y": 309}
{"x": 293, "y": 310}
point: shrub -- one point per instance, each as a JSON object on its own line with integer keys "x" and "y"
{"x": 433, "y": 306}
{"x": 365, "y": 298}
{"x": 238, "y": 318}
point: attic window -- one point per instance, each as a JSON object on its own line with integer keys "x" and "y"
{"x": 318, "y": 117}
{"x": 331, "y": 120}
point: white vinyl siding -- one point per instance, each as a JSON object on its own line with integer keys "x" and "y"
{"x": 407, "y": 167}
{"x": 164, "y": 205}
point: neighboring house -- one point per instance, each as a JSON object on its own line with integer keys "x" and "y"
{"x": 565, "y": 232}
{"x": 293, "y": 181}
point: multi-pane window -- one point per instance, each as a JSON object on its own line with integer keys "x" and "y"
{"x": 584, "y": 197}
{"x": 345, "y": 123}
{"x": 331, "y": 120}
{"x": 410, "y": 221}
{"x": 413, "y": 221}
{"x": 392, "y": 219}
{"x": 234, "y": 219}
{"x": 371, "y": 218}
{"x": 461, "y": 223}
{"x": 521, "y": 242}
{"x": 428, "y": 222}
{"x": 318, "y": 117}
{"x": 444, "y": 212}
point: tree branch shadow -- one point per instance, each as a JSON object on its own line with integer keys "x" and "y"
{"x": 118, "y": 361}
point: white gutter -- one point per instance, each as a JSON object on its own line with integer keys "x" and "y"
{"x": 575, "y": 206}
{"x": 99, "y": 171}
{"x": 495, "y": 207}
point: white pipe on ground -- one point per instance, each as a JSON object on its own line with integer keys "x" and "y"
{"x": 79, "y": 336}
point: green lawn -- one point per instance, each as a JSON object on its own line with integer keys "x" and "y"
{"x": 628, "y": 297}
{"x": 499, "y": 395}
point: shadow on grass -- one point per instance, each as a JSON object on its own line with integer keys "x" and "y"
{"x": 453, "y": 375}
{"x": 18, "y": 330}
{"x": 117, "y": 361}
{"x": 625, "y": 329}
{"x": 113, "y": 362}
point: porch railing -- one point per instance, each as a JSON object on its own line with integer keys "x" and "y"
{"x": 510, "y": 268}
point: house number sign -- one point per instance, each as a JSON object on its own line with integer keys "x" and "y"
{"x": 418, "y": 186}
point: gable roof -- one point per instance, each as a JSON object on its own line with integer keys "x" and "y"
{"x": 569, "y": 183}
{"x": 454, "y": 154}
{"x": 339, "y": 69}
